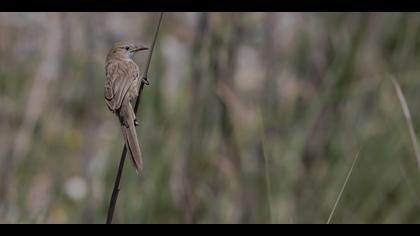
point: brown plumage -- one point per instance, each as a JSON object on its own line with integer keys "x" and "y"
{"x": 121, "y": 88}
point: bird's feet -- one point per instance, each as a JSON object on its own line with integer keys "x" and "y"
{"x": 123, "y": 122}
{"x": 145, "y": 81}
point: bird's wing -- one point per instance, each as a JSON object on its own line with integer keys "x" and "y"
{"x": 120, "y": 75}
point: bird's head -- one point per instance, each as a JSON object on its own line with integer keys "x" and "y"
{"x": 125, "y": 50}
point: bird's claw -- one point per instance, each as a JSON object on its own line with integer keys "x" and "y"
{"x": 145, "y": 81}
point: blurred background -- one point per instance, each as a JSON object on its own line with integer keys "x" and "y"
{"x": 249, "y": 118}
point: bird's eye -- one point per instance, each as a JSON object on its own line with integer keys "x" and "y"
{"x": 127, "y": 48}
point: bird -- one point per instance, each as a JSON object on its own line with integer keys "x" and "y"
{"x": 122, "y": 86}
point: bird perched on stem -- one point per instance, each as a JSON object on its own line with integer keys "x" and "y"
{"x": 121, "y": 88}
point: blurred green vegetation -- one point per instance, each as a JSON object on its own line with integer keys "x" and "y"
{"x": 249, "y": 118}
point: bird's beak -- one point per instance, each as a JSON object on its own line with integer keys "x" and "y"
{"x": 140, "y": 48}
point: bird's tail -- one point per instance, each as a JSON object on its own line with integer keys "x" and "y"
{"x": 131, "y": 141}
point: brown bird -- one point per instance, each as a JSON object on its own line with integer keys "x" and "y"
{"x": 121, "y": 88}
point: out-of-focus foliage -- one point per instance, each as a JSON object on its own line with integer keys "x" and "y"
{"x": 249, "y": 118}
